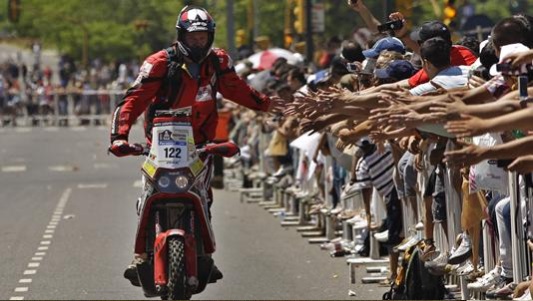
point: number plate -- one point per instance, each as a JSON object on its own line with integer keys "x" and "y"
{"x": 173, "y": 146}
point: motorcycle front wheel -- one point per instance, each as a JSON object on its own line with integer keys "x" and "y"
{"x": 177, "y": 280}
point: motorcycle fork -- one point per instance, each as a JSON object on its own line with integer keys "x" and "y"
{"x": 174, "y": 221}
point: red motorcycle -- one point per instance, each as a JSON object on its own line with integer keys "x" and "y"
{"x": 174, "y": 229}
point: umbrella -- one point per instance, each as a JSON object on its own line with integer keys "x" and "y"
{"x": 265, "y": 59}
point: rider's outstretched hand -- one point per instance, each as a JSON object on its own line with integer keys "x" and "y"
{"x": 121, "y": 148}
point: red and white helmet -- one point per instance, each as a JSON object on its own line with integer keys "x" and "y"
{"x": 195, "y": 19}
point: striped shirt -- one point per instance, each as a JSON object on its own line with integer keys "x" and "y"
{"x": 375, "y": 170}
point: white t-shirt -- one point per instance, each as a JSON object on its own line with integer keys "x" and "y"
{"x": 449, "y": 78}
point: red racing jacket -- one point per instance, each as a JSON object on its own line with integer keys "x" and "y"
{"x": 198, "y": 93}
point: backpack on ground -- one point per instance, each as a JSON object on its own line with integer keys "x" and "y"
{"x": 414, "y": 282}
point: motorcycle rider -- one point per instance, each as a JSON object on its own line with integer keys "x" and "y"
{"x": 201, "y": 71}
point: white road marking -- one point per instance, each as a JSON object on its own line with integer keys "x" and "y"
{"x": 14, "y": 168}
{"x": 62, "y": 168}
{"x": 43, "y": 245}
{"x": 51, "y": 129}
{"x": 22, "y": 130}
{"x": 104, "y": 165}
{"x": 78, "y": 128}
{"x": 92, "y": 186}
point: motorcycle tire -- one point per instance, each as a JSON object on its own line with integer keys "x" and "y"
{"x": 177, "y": 280}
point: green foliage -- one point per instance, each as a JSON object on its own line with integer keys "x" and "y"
{"x": 110, "y": 25}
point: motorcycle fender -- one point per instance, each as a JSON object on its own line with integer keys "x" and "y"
{"x": 160, "y": 255}
{"x": 207, "y": 233}
{"x": 191, "y": 263}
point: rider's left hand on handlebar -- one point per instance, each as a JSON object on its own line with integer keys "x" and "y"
{"x": 121, "y": 148}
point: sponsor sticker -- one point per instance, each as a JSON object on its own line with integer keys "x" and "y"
{"x": 205, "y": 93}
{"x": 149, "y": 167}
{"x": 197, "y": 166}
{"x": 144, "y": 72}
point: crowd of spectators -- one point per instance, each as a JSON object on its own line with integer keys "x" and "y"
{"x": 37, "y": 93}
{"x": 410, "y": 108}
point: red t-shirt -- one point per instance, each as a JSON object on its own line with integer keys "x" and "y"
{"x": 459, "y": 55}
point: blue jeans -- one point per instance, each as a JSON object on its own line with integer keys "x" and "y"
{"x": 503, "y": 217}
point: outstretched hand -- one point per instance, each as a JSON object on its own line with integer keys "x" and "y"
{"x": 522, "y": 165}
{"x": 312, "y": 105}
{"x": 519, "y": 59}
{"x": 467, "y": 126}
{"x": 451, "y": 107}
{"x": 277, "y": 104}
{"x": 470, "y": 154}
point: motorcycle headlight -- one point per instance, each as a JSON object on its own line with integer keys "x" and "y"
{"x": 182, "y": 182}
{"x": 164, "y": 182}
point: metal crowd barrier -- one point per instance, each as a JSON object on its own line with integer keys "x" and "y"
{"x": 520, "y": 253}
{"x": 67, "y": 108}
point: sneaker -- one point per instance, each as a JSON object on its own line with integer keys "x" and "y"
{"x": 407, "y": 244}
{"x": 485, "y": 282}
{"x": 382, "y": 236}
{"x": 356, "y": 219}
{"x": 347, "y": 214}
{"x": 502, "y": 293}
{"x": 464, "y": 269}
{"x": 463, "y": 252}
{"x": 472, "y": 277}
{"x": 419, "y": 226}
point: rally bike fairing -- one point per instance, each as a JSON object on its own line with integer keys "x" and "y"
{"x": 174, "y": 210}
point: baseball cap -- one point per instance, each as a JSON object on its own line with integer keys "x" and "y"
{"x": 399, "y": 70}
{"x": 506, "y": 51}
{"x": 431, "y": 29}
{"x": 389, "y": 43}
